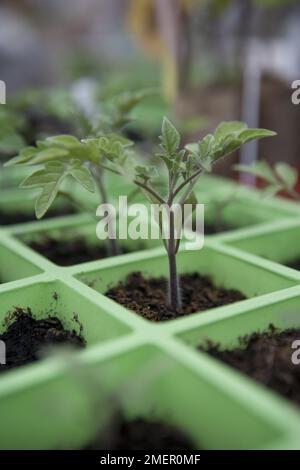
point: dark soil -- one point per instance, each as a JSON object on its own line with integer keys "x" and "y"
{"x": 147, "y": 297}
{"x": 11, "y": 218}
{"x": 212, "y": 229}
{"x": 40, "y": 125}
{"x": 267, "y": 358}
{"x": 294, "y": 264}
{"x": 142, "y": 435}
{"x": 74, "y": 251}
{"x": 25, "y": 338}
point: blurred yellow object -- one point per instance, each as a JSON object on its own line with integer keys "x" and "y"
{"x": 143, "y": 23}
{"x": 142, "y": 19}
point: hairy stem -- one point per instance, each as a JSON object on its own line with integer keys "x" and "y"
{"x": 190, "y": 179}
{"x": 174, "y": 288}
{"x": 150, "y": 191}
{"x": 138, "y": 183}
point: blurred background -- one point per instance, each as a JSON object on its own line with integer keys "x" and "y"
{"x": 210, "y": 60}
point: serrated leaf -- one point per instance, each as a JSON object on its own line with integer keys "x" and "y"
{"x": 202, "y": 152}
{"x": 84, "y": 177}
{"x": 206, "y": 145}
{"x": 113, "y": 138}
{"x": 145, "y": 171}
{"x": 49, "y": 190}
{"x": 37, "y": 179}
{"x": 49, "y": 154}
{"x": 287, "y": 174}
{"x": 46, "y": 198}
{"x": 50, "y": 178}
{"x": 24, "y": 156}
{"x": 170, "y": 137}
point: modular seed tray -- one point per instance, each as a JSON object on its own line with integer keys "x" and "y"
{"x": 153, "y": 370}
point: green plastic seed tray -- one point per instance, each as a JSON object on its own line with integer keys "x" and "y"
{"x": 150, "y": 369}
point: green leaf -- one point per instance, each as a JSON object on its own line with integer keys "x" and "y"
{"x": 50, "y": 178}
{"x": 24, "y": 156}
{"x": 145, "y": 172}
{"x": 48, "y": 155}
{"x": 206, "y": 146}
{"x": 261, "y": 169}
{"x": 37, "y": 179}
{"x": 202, "y": 153}
{"x": 253, "y": 134}
{"x": 84, "y": 177}
{"x": 113, "y": 138}
{"x": 66, "y": 141}
{"x": 272, "y": 190}
{"x": 287, "y": 174}
{"x": 170, "y": 137}
{"x": 46, "y": 198}
{"x": 50, "y": 187}
{"x": 226, "y": 128}
{"x": 229, "y": 145}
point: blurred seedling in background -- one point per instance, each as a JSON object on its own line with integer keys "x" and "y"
{"x": 282, "y": 178}
{"x": 184, "y": 166}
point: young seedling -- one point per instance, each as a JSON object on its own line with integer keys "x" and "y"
{"x": 283, "y": 177}
{"x": 184, "y": 167}
{"x": 63, "y": 156}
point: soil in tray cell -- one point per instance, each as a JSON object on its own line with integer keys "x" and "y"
{"x": 212, "y": 229}
{"x": 25, "y": 338}
{"x": 73, "y": 251}
{"x": 294, "y": 264}
{"x": 147, "y": 297}
{"x": 142, "y": 435}
{"x": 18, "y": 217}
{"x": 269, "y": 358}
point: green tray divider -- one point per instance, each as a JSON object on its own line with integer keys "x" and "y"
{"x": 26, "y": 253}
{"x": 268, "y": 228}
